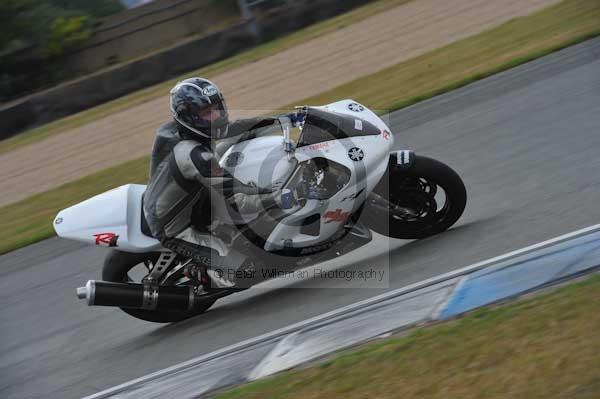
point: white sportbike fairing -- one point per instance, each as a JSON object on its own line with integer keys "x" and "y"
{"x": 110, "y": 219}
{"x": 343, "y": 165}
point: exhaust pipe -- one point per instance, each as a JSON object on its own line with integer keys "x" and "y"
{"x": 138, "y": 296}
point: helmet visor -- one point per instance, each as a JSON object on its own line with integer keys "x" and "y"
{"x": 207, "y": 115}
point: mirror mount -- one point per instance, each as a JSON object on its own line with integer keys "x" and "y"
{"x": 288, "y": 144}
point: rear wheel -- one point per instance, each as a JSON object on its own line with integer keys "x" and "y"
{"x": 418, "y": 202}
{"x": 126, "y": 267}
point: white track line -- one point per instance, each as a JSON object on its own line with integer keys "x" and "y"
{"x": 341, "y": 311}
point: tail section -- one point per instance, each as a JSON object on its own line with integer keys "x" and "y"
{"x": 110, "y": 219}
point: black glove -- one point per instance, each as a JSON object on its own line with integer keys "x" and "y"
{"x": 296, "y": 118}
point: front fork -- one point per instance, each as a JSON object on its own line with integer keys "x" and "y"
{"x": 402, "y": 159}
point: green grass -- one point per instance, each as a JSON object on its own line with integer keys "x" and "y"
{"x": 161, "y": 89}
{"x": 546, "y": 347}
{"x": 452, "y": 66}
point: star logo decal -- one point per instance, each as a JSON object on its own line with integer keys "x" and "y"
{"x": 356, "y": 154}
{"x": 356, "y": 107}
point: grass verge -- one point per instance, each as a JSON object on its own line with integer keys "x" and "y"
{"x": 209, "y": 71}
{"x": 442, "y": 70}
{"x": 546, "y": 347}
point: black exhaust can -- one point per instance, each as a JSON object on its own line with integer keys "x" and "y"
{"x": 137, "y": 296}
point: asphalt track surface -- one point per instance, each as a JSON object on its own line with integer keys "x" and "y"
{"x": 526, "y": 143}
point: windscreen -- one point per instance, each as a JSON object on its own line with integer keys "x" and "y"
{"x": 320, "y": 126}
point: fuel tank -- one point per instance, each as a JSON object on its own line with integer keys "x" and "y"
{"x": 261, "y": 162}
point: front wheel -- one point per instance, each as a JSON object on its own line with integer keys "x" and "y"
{"x": 126, "y": 267}
{"x": 418, "y": 202}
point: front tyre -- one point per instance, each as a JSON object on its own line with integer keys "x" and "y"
{"x": 417, "y": 202}
{"x": 124, "y": 267}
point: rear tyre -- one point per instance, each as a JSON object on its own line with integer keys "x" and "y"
{"x": 118, "y": 268}
{"x": 415, "y": 203}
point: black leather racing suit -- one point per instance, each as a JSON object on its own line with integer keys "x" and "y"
{"x": 181, "y": 182}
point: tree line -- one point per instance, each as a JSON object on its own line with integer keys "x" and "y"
{"x": 35, "y": 34}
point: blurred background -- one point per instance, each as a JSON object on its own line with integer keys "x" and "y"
{"x": 45, "y": 43}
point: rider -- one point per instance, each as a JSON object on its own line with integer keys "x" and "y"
{"x": 185, "y": 175}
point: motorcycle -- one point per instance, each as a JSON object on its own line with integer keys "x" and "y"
{"x": 339, "y": 181}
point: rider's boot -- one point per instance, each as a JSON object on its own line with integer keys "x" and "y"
{"x": 201, "y": 258}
